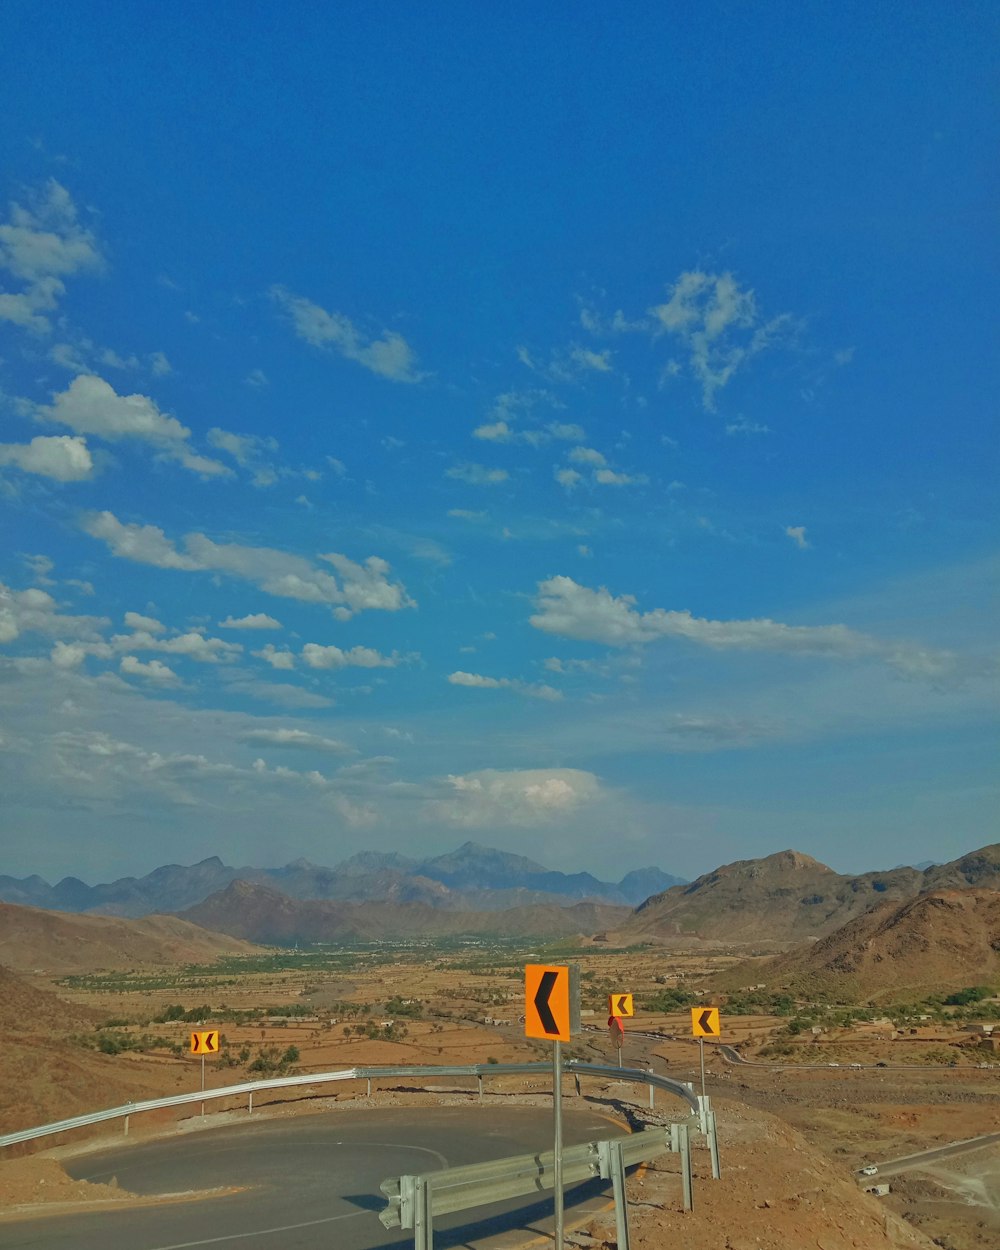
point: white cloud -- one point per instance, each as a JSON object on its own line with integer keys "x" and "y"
{"x": 389, "y": 356}
{"x": 192, "y": 645}
{"x": 35, "y": 611}
{"x": 567, "y": 365}
{"x": 257, "y": 620}
{"x": 159, "y": 365}
{"x": 148, "y": 624}
{"x": 318, "y": 656}
{"x": 568, "y": 478}
{"x": 494, "y": 431}
{"x": 250, "y": 452}
{"x": 477, "y": 474}
{"x": 610, "y": 477}
{"x": 465, "y": 514}
{"x": 145, "y": 544}
{"x": 797, "y": 533}
{"x": 720, "y": 325}
{"x": 63, "y": 458}
{"x": 361, "y": 585}
{"x": 277, "y": 659}
{"x": 257, "y": 378}
{"x": 40, "y": 245}
{"x": 296, "y": 739}
{"x": 153, "y": 671}
{"x": 574, "y": 611}
{"x": 90, "y": 405}
{"x": 748, "y": 428}
{"x": 587, "y": 455}
{"x": 477, "y": 681}
{"x": 516, "y": 797}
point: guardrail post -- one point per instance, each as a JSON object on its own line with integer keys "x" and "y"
{"x": 651, "y": 1089}
{"x": 576, "y": 1079}
{"x": 479, "y": 1078}
{"x": 250, "y": 1104}
{"x": 704, "y": 1106}
{"x": 369, "y": 1087}
{"x": 680, "y": 1142}
{"x": 713, "y": 1146}
{"x": 423, "y": 1220}
{"x": 612, "y": 1164}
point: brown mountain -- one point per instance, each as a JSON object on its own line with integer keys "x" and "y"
{"x": 252, "y": 911}
{"x": 789, "y": 897}
{"x": 25, "y": 1010}
{"x": 941, "y": 940}
{"x": 33, "y": 940}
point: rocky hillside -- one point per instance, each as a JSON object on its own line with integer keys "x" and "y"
{"x": 260, "y": 914}
{"x": 33, "y": 940}
{"x": 790, "y": 897}
{"x": 939, "y": 941}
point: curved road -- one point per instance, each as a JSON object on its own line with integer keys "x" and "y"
{"x": 306, "y": 1182}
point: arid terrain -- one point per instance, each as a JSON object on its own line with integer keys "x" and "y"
{"x": 796, "y": 1125}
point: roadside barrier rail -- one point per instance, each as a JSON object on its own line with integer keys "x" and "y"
{"x": 480, "y": 1070}
{"x": 414, "y": 1201}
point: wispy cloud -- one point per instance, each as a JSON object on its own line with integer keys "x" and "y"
{"x": 358, "y": 586}
{"x": 296, "y": 739}
{"x": 567, "y": 609}
{"x": 476, "y": 681}
{"x": 797, "y": 533}
{"x": 477, "y": 474}
{"x": 42, "y": 243}
{"x": 719, "y": 324}
{"x": 388, "y": 355}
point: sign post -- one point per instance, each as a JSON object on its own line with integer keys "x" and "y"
{"x": 552, "y": 1013}
{"x": 204, "y": 1043}
{"x": 619, "y": 1005}
{"x": 705, "y": 1022}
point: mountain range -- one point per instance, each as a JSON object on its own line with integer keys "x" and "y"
{"x": 940, "y": 940}
{"x": 471, "y": 878}
{"x": 246, "y": 909}
{"x": 790, "y": 897}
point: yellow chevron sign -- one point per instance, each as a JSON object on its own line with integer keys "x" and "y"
{"x": 621, "y": 1005}
{"x": 705, "y": 1022}
{"x": 205, "y": 1043}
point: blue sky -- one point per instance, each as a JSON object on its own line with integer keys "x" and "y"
{"x": 569, "y": 429}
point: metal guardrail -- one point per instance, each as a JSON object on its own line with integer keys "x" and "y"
{"x": 249, "y": 1088}
{"x": 414, "y": 1201}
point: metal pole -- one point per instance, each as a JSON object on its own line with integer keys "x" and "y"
{"x": 557, "y": 1148}
{"x": 618, "y": 1187}
{"x": 701, "y": 1052}
{"x": 713, "y": 1147}
{"x": 423, "y": 1227}
{"x": 684, "y": 1142}
{"x": 250, "y": 1105}
{"x": 203, "y": 1084}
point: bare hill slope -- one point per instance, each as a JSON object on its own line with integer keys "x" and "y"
{"x": 59, "y": 942}
{"x": 789, "y": 897}
{"x": 941, "y": 940}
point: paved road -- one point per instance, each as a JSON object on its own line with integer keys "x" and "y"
{"x": 307, "y": 1182}
{"x": 892, "y": 1167}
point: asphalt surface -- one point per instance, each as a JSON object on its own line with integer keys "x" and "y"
{"x": 308, "y": 1182}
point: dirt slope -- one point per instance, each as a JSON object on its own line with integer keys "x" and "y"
{"x": 942, "y": 940}
{"x": 57, "y": 942}
{"x": 789, "y": 897}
